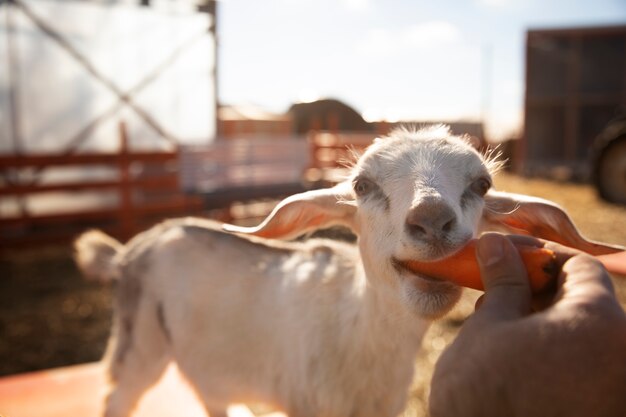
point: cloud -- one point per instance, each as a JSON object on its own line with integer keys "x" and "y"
{"x": 434, "y": 34}
{"x": 494, "y": 3}
{"x": 351, "y": 5}
{"x": 358, "y": 5}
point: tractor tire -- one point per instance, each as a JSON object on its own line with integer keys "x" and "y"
{"x": 609, "y": 170}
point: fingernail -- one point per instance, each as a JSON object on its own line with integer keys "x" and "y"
{"x": 490, "y": 249}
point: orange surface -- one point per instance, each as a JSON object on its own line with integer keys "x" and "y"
{"x": 615, "y": 262}
{"x": 79, "y": 391}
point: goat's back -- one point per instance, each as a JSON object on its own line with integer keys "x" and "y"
{"x": 247, "y": 319}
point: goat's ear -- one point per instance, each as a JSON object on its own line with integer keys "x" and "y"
{"x": 537, "y": 217}
{"x": 302, "y": 213}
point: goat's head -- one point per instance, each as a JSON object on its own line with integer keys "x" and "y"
{"x": 420, "y": 195}
{"x": 414, "y": 195}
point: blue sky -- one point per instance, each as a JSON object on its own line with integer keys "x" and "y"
{"x": 393, "y": 59}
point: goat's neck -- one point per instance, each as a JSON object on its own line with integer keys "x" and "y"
{"x": 382, "y": 345}
{"x": 384, "y": 308}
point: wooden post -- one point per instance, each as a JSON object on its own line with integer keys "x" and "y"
{"x": 126, "y": 214}
{"x": 210, "y": 7}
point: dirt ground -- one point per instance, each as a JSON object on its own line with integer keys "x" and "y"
{"x": 50, "y": 317}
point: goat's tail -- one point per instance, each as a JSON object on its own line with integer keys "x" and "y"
{"x": 95, "y": 254}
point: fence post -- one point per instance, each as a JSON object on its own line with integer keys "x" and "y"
{"x": 126, "y": 213}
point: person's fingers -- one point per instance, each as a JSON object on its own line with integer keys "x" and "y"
{"x": 563, "y": 253}
{"x": 526, "y": 240}
{"x": 507, "y": 290}
{"x": 584, "y": 279}
{"x": 479, "y": 302}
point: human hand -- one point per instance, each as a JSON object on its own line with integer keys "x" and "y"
{"x": 567, "y": 360}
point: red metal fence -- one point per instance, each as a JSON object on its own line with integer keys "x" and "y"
{"x": 147, "y": 185}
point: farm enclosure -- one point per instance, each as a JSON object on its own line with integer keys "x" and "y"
{"x": 51, "y": 317}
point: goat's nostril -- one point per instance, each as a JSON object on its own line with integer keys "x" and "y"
{"x": 447, "y": 227}
{"x": 416, "y": 229}
{"x": 431, "y": 219}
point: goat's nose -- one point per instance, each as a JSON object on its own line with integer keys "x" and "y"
{"x": 430, "y": 219}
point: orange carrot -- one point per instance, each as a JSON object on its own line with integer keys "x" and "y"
{"x": 462, "y": 267}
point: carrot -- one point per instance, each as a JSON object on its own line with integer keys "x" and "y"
{"x": 462, "y": 267}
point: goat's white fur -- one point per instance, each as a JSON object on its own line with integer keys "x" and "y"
{"x": 314, "y": 328}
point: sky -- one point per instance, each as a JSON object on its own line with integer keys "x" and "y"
{"x": 392, "y": 59}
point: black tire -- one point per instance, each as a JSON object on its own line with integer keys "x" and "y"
{"x": 609, "y": 168}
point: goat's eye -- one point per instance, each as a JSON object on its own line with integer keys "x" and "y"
{"x": 363, "y": 186}
{"x": 481, "y": 186}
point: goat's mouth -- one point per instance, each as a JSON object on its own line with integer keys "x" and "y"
{"x": 403, "y": 269}
{"x": 419, "y": 269}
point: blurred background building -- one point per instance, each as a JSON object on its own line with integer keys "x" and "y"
{"x": 144, "y": 109}
{"x": 575, "y": 91}
{"x": 72, "y": 69}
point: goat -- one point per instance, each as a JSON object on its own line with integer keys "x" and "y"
{"x": 315, "y": 327}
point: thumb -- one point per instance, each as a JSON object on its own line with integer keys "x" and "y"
{"x": 507, "y": 290}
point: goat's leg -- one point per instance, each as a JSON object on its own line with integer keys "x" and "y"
{"x": 135, "y": 380}
{"x": 137, "y": 360}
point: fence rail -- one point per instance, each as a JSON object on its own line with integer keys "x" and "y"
{"x": 145, "y": 187}
{"x": 144, "y": 191}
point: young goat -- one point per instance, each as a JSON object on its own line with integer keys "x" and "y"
{"x": 314, "y": 328}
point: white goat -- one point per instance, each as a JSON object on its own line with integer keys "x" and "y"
{"x": 314, "y": 328}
